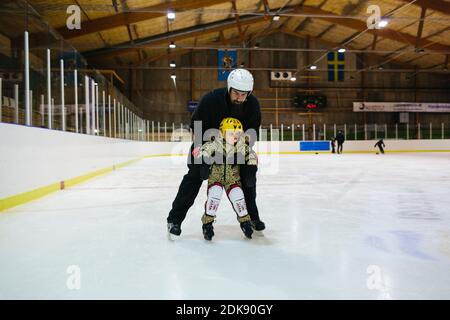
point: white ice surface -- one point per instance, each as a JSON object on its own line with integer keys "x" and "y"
{"x": 338, "y": 227}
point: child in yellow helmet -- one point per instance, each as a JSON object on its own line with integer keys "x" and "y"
{"x": 229, "y": 150}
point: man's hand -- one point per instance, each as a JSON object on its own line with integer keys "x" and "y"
{"x": 196, "y": 152}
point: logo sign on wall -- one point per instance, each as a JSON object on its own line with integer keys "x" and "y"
{"x": 400, "y": 107}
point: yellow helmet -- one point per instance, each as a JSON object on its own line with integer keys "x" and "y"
{"x": 232, "y": 124}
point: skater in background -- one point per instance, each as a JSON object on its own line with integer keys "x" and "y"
{"x": 333, "y": 145}
{"x": 237, "y": 101}
{"x": 230, "y": 148}
{"x": 380, "y": 144}
{"x": 340, "y": 140}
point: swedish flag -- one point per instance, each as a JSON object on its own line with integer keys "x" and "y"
{"x": 336, "y": 66}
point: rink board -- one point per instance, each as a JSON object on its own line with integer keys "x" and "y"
{"x": 38, "y": 161}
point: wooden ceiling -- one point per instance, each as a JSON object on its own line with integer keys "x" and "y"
{"x": 137, "y": 32}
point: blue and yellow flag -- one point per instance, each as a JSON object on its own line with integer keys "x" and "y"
{"x": 336, "y": 65}
{"x": 226, "y": 61}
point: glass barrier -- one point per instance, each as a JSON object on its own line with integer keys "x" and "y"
{"x": 45, "y": 82}
{"x": 321, "y": 132}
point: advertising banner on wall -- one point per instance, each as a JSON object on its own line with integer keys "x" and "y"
{"x": 400, "y": 107}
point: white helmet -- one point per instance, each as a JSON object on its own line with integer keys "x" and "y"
{"x": 241, "y": 80}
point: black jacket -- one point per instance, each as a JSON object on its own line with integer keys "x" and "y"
{"x": 379, "y": 143}
{"x": 216, "y": 105}
{"x": 340, "y": 138}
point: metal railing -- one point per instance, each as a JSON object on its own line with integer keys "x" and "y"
{"x": 52, "y": 86}
{"x": 403, "y": 131}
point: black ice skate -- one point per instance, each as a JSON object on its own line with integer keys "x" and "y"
{"x": 246, "y": 227}
{"x": 258, "y": 227}
{"x": 173, "y": 230}
{"x": 208, "y": 231}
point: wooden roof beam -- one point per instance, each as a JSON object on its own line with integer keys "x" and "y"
{"x": 236, "y": 16}
{"x": 178, "y": 52}
{"x": 321, "y": 34}
{"x": 171, "y": 54}
{"x": 222, "y": 38}
{"x": 266, "y": 9}
{"x": 402, "y": 28}
{"x": 374, "y": 42}
{"x": 395, "y": 52}
{"x": 420, "y": 28}
{"x": 125, "y": 18}
{"x": 362, "y": 26}
{"x": 130, "y": 35}
{"x": 415, "y": 58}
{"x": 350, "y": 38}
{"x": 247, "y": 20}
{"x": 436, "y": 5}
{"x": 177, "y": 35}
{"x": 328, "y": 43}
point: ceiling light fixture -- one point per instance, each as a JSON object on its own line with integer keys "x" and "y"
{"x": 171, "y": 15}
{"x": 383, "y": 23}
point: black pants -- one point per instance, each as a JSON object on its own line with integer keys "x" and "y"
{"x": 190, "y": 186}
{"x": 381, "y": 149}
{"x": 339, "y": 148}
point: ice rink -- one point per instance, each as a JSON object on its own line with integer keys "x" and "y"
{"x": 351, "y": 226}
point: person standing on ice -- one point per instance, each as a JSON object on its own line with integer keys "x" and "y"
{"x": 237, "y": 101}
{"x": 333, "y": 145}
{"x": 380, "y": 144}
{"x": 340, "y": 140}
{"x": 225, "y": 152}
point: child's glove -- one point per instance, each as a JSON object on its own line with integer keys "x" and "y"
{"x": 242, "y": 145}
{"x": 209, "y": 150}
